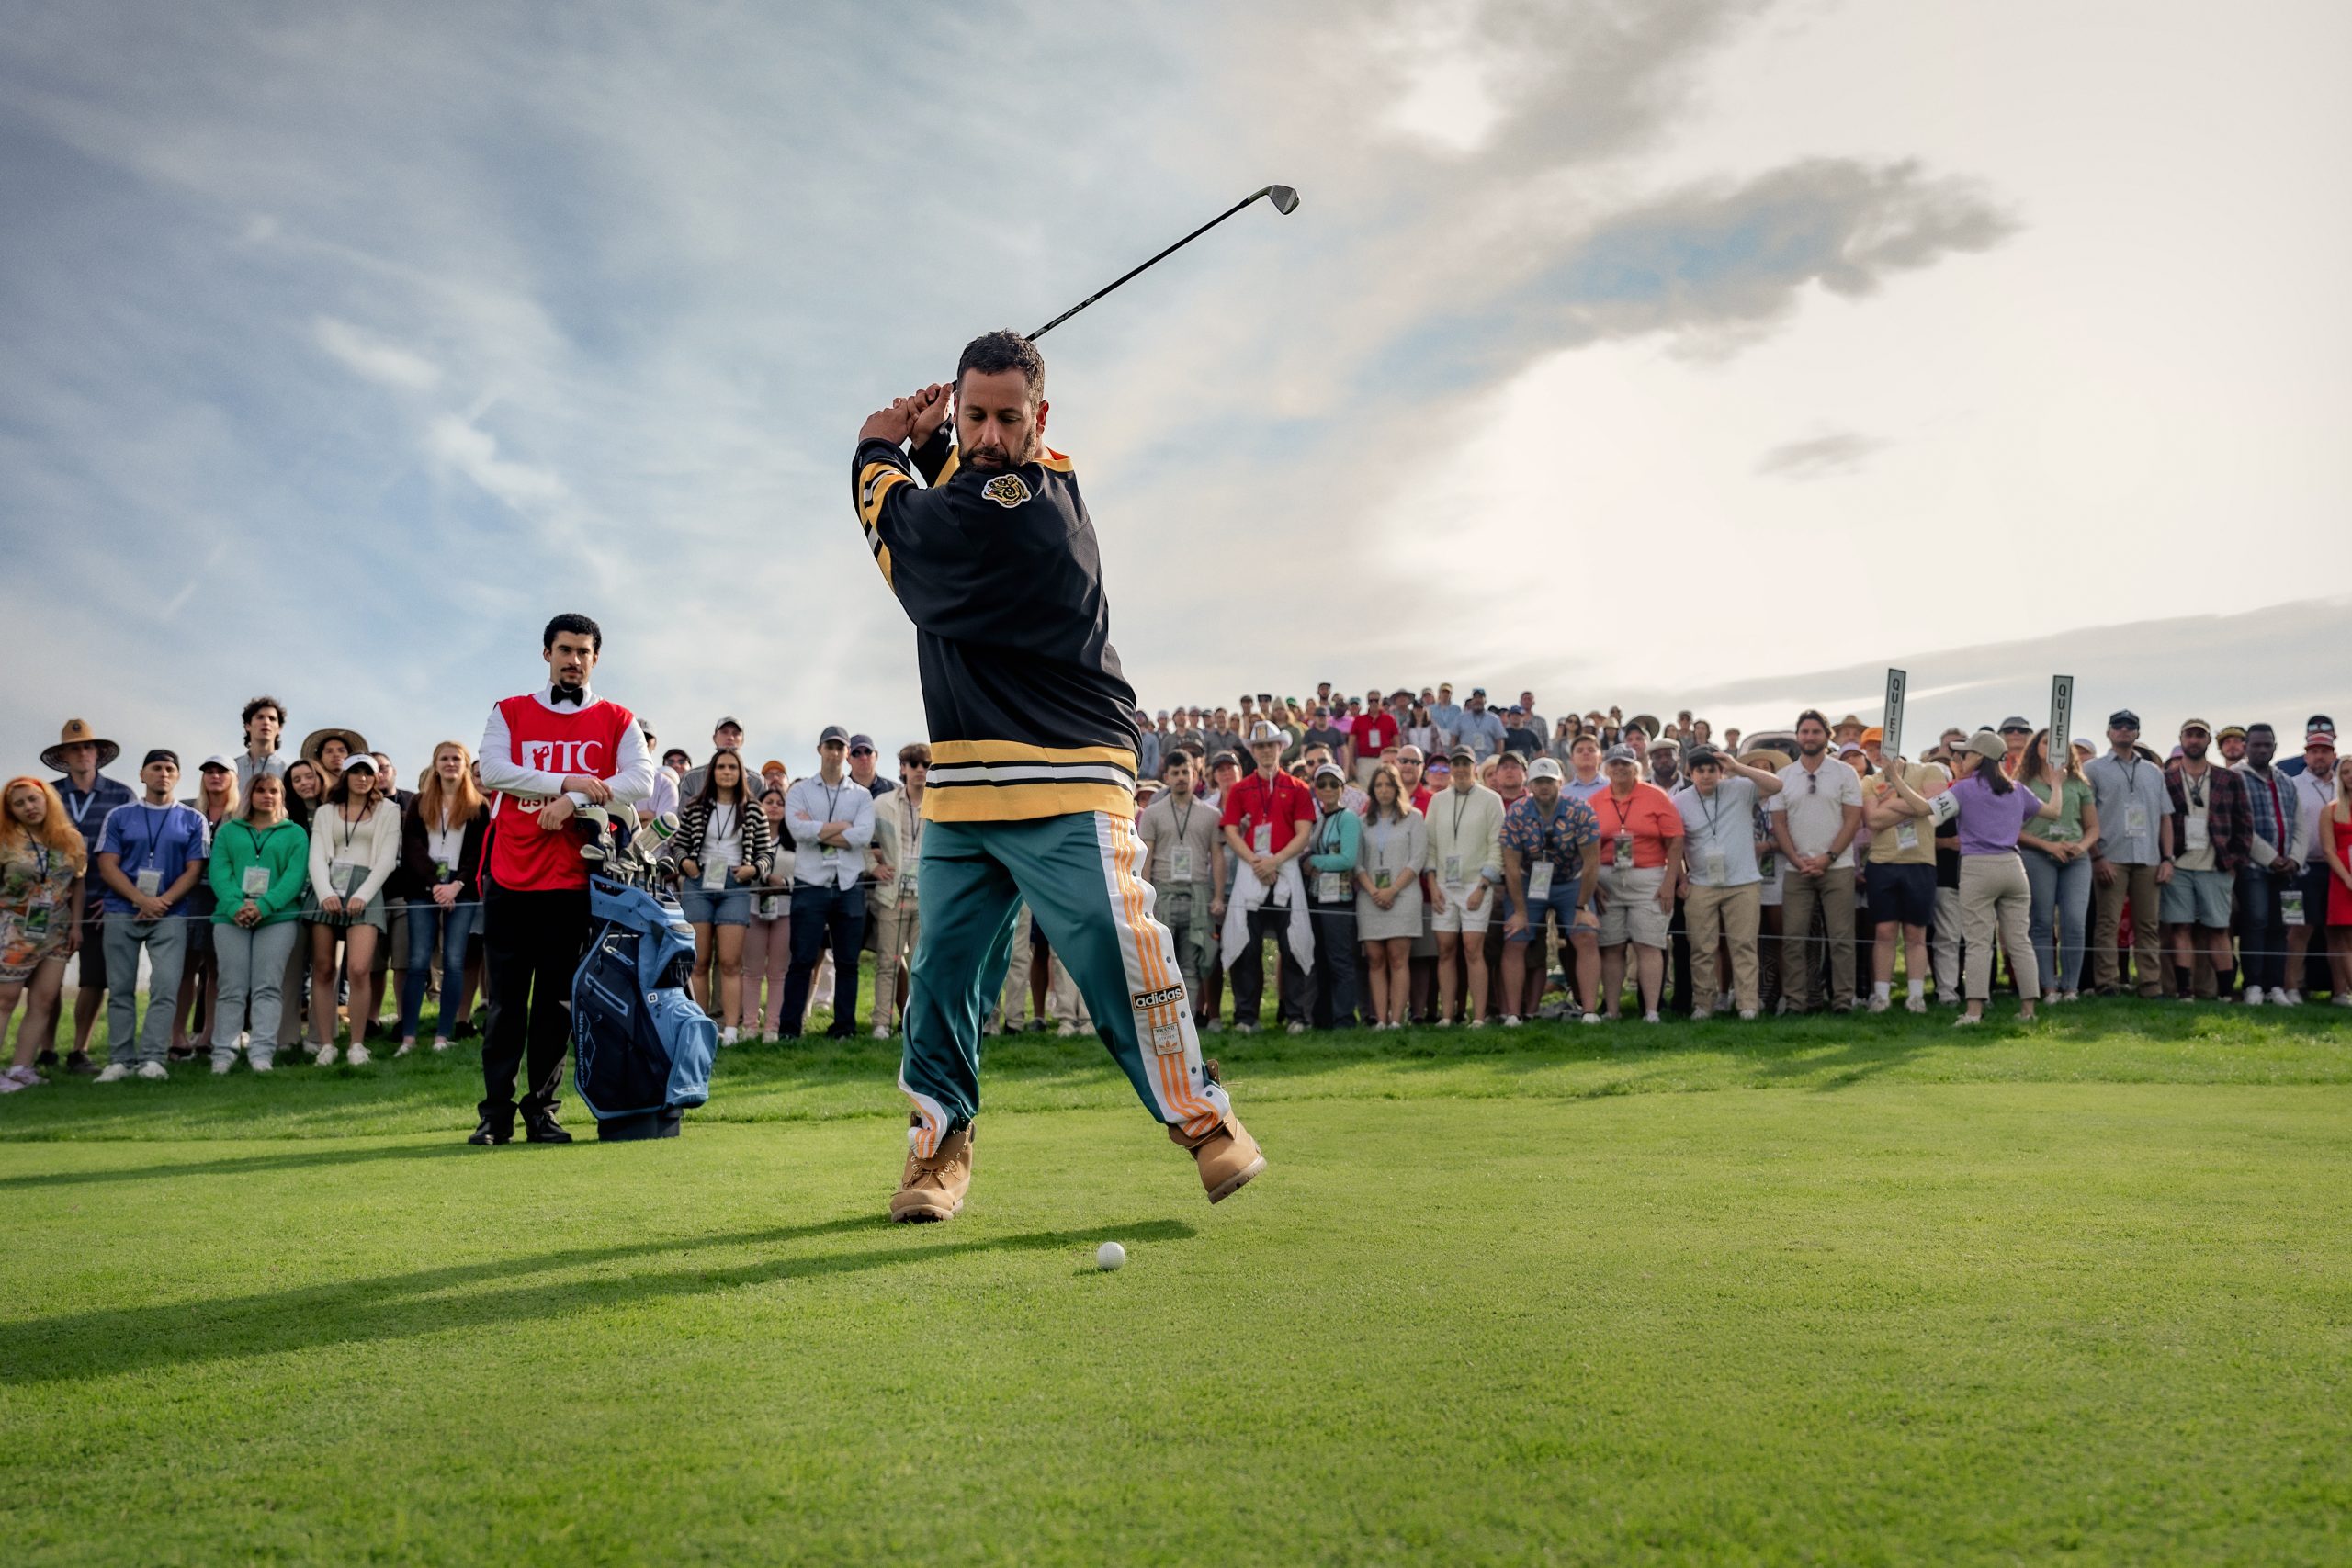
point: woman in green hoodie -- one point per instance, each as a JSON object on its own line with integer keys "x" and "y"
{"x": 259, "y": 862}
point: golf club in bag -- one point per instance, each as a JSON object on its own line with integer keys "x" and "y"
{"x": 640, "y": 1048}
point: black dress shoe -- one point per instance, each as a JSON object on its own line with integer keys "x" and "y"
{"x": 80, "y": 1064}
{"x": 466, "y": 1031}
{"x": 539, "y": 1127}
{"x": 47, "y": 1058}
{"x": 490, "y": 1132}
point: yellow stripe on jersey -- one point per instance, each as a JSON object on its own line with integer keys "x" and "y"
{"x": 873, "y": 482}
{"x": 946, "y": 753}
{"x": 1025, "y": 801}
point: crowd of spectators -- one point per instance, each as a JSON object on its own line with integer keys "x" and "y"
{"x": 1411, "y": 860}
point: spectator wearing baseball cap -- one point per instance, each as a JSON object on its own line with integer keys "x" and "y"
{"x": 2270, "y": 872}
{"x": 216, "y": 800}
{"x": 1481, "y": 729}
{"x": 2212, "y": 833}
{"x": 89, "y": 797}
{"x": 2315, "y": 791}
{"x": 1466, "y": 865}
{"x": 150, "y": 856}
{"x": 1548, "y": 868}
{"x": 2319, "y": 727}
{"x": 2133, "y": 859}
{"x": 831, "y": 822}
{"x": 2229, "y": 741}
{"x": 863, "y": 765}
{"x": 1721, "y": 883}
{"x": 1641, "y": 868}
{"x": 1268, "y": 819}
{"x": 726, "y": 735}
{"x": 1520, "y": 734}
{"x": 1815, "y": 819}
{"x": 1331, "y": 861}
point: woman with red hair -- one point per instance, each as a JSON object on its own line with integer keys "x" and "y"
{"x": 41, "y": 888}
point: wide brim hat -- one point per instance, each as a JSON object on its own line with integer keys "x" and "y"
{"x": 352, "y": 739}
{"x": 77, "y": 732}
{"x": 1646, "y": 722}
{"x": 1765, "y": 757}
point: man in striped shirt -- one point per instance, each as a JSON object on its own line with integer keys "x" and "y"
{"x": 1032, "y": 788}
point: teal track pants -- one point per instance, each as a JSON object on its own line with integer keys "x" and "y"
{"x": 1083, "y": 877}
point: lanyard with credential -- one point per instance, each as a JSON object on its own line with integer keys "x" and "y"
{"x": 88, "y": 798}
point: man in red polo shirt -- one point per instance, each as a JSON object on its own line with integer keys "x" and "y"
{"x": 1267, "y": 818}
{"x": 545, "y": 755}
{"x": 1374, "y": 733}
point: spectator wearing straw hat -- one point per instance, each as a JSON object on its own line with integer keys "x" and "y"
{"x": 328, "y": 750}
{"x": 90, "y": 797}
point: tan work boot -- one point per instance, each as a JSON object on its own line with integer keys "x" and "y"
{"x": 1229, "y": 1157}
{"x": 933, "y": 1188}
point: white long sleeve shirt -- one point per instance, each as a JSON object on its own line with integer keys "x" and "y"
{"x": 632, "y": 776}
{"x": 807, "y": 806}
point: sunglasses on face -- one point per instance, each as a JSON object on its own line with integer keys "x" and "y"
{"x": 862, "y": 751}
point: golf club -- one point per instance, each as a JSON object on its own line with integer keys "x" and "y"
{"x": 1285, "y": 201}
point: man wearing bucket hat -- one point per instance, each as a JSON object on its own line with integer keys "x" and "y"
{"x": 90, "y": 797}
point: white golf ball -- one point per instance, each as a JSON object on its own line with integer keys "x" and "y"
{"x": 1109, "y": 1255}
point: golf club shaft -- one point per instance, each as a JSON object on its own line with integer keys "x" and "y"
{"x": 1155, "y": 261}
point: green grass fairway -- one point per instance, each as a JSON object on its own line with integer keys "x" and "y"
{"x": 1852, "y": 1292}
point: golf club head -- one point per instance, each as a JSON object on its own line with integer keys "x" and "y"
{"x": 1285, "y": 198}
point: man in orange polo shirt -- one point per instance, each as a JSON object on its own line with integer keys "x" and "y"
{"x": 1640, "y": 864}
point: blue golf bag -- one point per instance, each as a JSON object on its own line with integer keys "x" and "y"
{"x": 640, "y": 1048}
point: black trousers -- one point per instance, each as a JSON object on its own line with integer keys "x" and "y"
{"x": 824, "y": 915}
{"x": 1248, "y": 970}
{"x": 531, "y": 947}
{"x": 1335, "y": 965}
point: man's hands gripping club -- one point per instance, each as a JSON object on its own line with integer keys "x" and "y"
{"x": 914, "y": 417}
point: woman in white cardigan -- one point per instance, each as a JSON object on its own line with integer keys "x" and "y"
{"x": 354, "y": 845}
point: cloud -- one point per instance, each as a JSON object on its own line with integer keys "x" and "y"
{"x": 1717, "y": 264}
{"x": 1819, "y": 456}
{"x": 386, "y": 364}
{"x": 473, "y": 452}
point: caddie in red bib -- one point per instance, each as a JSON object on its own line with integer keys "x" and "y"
{"x": 545, "y": 755}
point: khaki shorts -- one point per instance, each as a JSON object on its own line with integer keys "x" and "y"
{"x": 1629, "y": 907}
{"x": 1457, "y": 916}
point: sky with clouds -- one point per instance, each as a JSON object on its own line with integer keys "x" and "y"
{"x": 1711, "y": 352}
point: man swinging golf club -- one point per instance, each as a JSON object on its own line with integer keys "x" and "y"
{"x": 1033, "y": 743}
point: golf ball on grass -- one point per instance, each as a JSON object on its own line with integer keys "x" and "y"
{"x": 1109, "y": 1255}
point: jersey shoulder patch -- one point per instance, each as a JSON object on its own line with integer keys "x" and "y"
{"x": 1006, "y": 489}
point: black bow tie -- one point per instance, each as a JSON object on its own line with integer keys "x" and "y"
{"x": 559, "y": 696}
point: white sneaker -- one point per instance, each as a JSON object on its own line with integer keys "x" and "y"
{"x": 1915, "y": 1004}
{"x": 881, "y": 1031}
{"x": 1510, "y": 1021}
{"x": 1748, "y": 1015}
{"x": 1445, "y": 1023}
{"x": 727, "y": 1037}
{"x": 1878, "y": 1003}
{"x": 405, "y": 1047}
{"x": 260, "y": 1064}
{"x": 357, "y": 1055}
{"x": 153, "y": 1070}
{"x": 1239, "y": 1029}
{"x": 1477, "y": 1024}
{"x": 1649, "y": 1018}
{"x": 2282, "y": 997}
{"x": 440, "y": 1043}
{"x": 1965, "y": 1021}
{"x": 2254, "y": 996}
{"x": 325, "y": 1056}
{"x": 1700, "y": 1015}
{"x": 1593, "y": 1017}
{"x": 2342, "y": 999}
{"x": 1066, "y": 1030}
{"x": 221, "y": 1066}
{"x": 113, "y": 1072}
{"x": 1293, "y": 1027}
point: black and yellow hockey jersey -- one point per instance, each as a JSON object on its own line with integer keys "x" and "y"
{"x": 1029, "y": 713}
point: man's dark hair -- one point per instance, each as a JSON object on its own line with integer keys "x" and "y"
{"x": 254, "y": 706}
{"x": 2258, "y": 727}
{"x": 1813, "y": 714}
{"x": 573, "y": 621}
{"x": 991, "y": 352}
{"x": 914, "y": 752}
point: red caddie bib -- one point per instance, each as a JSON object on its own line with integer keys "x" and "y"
{"x": 524, "y": 856}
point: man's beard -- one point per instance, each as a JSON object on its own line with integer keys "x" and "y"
{"x": 996, "y": 459}
{"x": 1815, "y": 749}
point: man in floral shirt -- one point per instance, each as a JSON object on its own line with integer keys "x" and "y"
{"x": 1545, "y": 836}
